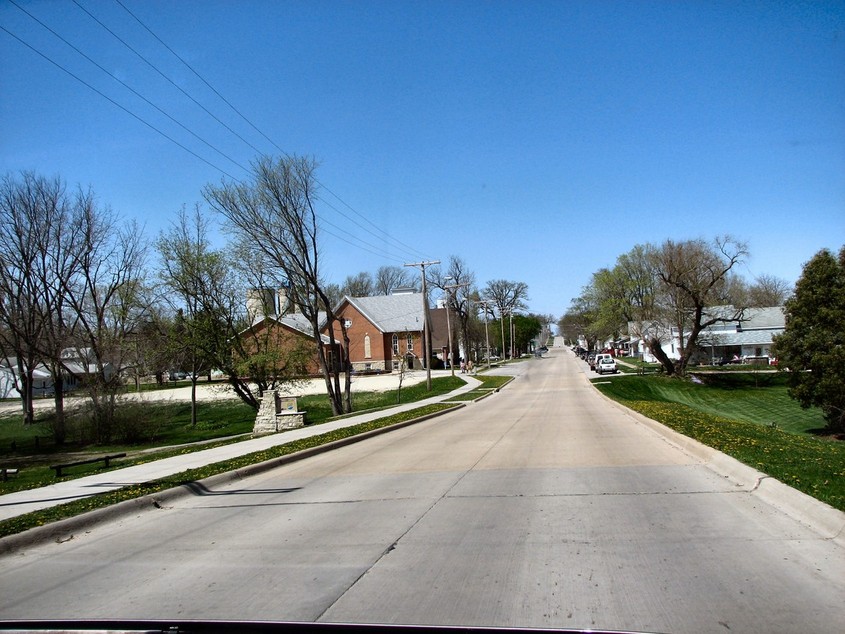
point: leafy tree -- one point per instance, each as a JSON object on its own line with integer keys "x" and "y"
{"x": 508, "y": 297}
{"x": 580, "y": 317}
{"x": 206, "y": 298}
{"x": 526, "y": 328}
{"x": 812, "y": 346}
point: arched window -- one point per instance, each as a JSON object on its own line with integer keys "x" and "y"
{"x": 367, "y": 351}
{"x": 395, "y": 343}
{"x": 410, "y": 342}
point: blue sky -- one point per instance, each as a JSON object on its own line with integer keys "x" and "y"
{"x": 536, "y": 140}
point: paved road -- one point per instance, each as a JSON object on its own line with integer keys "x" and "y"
{"x": 542, "y": 506}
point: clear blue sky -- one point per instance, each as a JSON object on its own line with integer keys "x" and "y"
{"x": 537, "y": 140}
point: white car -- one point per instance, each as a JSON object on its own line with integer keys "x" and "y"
{"x": 602, "y": 355}
{"x": 606, "y": 364}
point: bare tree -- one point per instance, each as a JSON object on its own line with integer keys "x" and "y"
{"x": 334, "y": 294}
{"x": 389, "y": 278}
{"x": 360, "y": 285}
{"x": 106, "y": 297}
{"x": 25, "y": 207}
{"x": 696, "y": 276}
{"x": 274, "y": 217}
{"x": 768, "y": 290}
{"x": 458, "y": 284}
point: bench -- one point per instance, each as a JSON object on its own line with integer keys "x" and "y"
{"x": 67, "y": 465}
{"x": 8, "y": 472}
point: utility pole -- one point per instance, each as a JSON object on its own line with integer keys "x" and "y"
{"x": 512, "y": 348}
{"x": 449, "y": 290}
{"x": 426, "y": 342}
{"x": 484, "y": 303}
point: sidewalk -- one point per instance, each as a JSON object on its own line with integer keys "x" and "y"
{"x": 22, "y": 502}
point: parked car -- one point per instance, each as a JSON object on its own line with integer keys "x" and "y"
{"x": 606, "y": 365}
{"x": 602, "y": 355}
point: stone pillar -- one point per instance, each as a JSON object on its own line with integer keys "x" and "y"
{"x": 277, "y": 413}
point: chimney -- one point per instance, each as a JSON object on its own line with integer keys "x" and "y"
{"x": 259, "y": 302}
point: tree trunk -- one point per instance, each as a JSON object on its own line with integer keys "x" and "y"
{"x": 59, "y": 427}
{"x": 658, "y": 352}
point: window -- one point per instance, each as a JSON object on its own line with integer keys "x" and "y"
{"x": 410, "y": 342}
{"x": 367, "y": 350}
{"x": 347, "y": 323}
{"x": 395, "y": 344}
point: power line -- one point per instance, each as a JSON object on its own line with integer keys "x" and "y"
{"x": 128, "y": 87}
{"x": 109, "y": 99}
{"x": 267, "y": 138}
{"x": 373, "y": 249}
{"x": 359, "y": 245}
{"x": 165, "y": 77}
{"x": 200, "y": 77}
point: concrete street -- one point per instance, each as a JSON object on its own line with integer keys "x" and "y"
{"x": 541, "y": 506}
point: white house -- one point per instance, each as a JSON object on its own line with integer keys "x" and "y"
{"x": 751, "y": 337}
{"x": 42, "y": 383}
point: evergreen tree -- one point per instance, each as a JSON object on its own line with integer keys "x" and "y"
{"x": 812, "y": 347}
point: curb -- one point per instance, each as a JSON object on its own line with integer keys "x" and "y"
{"x": 64, "y": 530}
{"x": 822, "y": 518}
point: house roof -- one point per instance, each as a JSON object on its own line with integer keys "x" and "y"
{"x": 293, "y": 321}
{"x": 752, "y": 318}
{"x": 391, "y": 313}
{"x": 759, "y": 337}
{"x": 768, "y": 318}
{"x": 758, "y": 327}
{"x": 10, "y": 365}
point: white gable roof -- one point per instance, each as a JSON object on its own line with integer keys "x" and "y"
{"x": 392, "y": 313}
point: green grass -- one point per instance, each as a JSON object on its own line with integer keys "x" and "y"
{"x": 733, "y": 413}
{"x": 754, "y": 398}
{"x": 169, "y": 424}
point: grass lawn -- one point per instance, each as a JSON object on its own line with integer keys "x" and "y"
{"x": 165, "y": 426}
{"x": 734, "y": 414}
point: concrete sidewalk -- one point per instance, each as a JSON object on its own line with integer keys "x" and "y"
{"x": 22, "y": 502}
